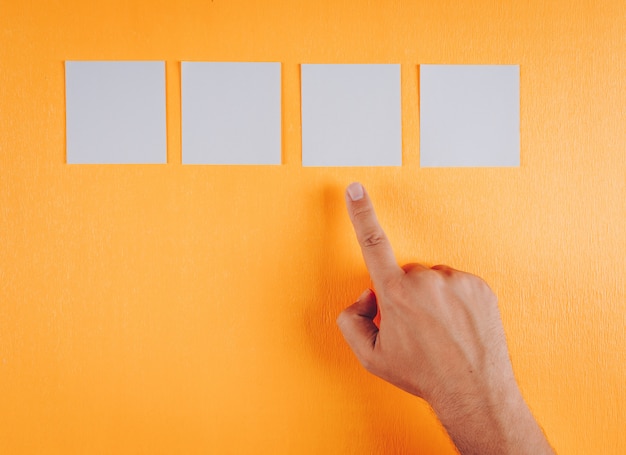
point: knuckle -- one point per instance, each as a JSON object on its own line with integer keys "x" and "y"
{"x": 394, "y": 288}
{"x": 373, "y": 238}
{"x": 486, "y": 291}
{"x": 447, "y": 272}
{"x": 465, "y": 280}
{"x": 362, "y": 212}
{"x": 346, "y": 317}
{"x": 431, "y": 277}
{"x": 369, "y": 233}
{"x": 341, "y": 319}
{"x": 473, "y": 282}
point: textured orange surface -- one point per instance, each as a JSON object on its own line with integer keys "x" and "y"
{"x": 170, "y": 309}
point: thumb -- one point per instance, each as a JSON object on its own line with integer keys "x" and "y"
{"x": 357, "y": 326}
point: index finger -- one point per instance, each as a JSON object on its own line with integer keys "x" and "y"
{"x": 377, "y": 252}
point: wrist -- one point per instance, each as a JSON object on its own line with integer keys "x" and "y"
{"x": 501, "y": 423}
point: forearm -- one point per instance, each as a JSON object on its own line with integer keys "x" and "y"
{"x": 502, "y": 425}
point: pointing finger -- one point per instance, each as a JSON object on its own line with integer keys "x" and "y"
{"x": 377, "y": 252}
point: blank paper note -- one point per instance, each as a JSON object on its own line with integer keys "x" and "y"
{"x": 231, "y": 113}
{"x": 351, "y": 115}
{"x": 115, "y": 112}
{"x": 469, "y": 115}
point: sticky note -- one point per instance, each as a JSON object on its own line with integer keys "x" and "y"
{"x": 469, "y": 115}
{"x": 351, "y": 115}
{"x": 115, "y": 112}
{"x": 231, "y": 113}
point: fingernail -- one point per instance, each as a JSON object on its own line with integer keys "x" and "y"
{"x": 365, "y": 294}
{"x": 355, "y": 191}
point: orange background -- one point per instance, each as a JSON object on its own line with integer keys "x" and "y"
{"x": 191, "y": 309}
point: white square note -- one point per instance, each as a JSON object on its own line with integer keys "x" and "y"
{"x": 351, "y": 115}
{"x": 115, "y": 112}
{"x": 231, "y": 113}
{"x": 469, "y": 115}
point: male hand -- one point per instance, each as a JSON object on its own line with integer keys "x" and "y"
{"x": 441, "y": 338}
